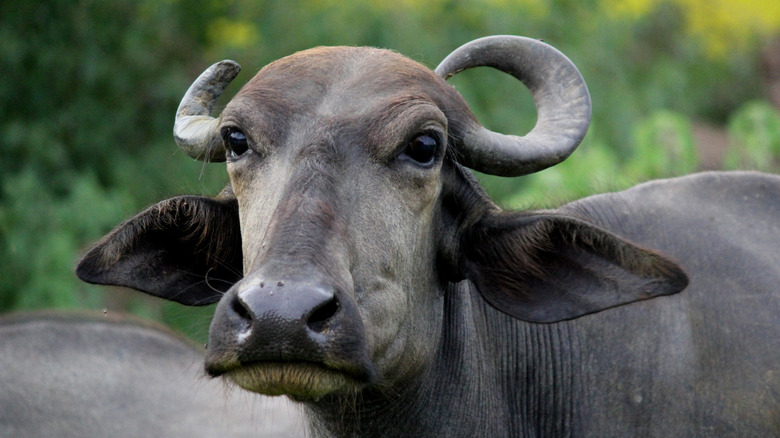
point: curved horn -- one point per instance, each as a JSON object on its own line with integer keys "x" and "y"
{"x": 560, "y": 94}
{"x": 194, "y": 130}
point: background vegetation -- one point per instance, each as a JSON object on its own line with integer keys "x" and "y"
{"x": 89, "y": 89}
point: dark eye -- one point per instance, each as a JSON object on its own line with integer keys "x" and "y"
{"x": 235, "y": 143}
{"x": 422, "y": 148}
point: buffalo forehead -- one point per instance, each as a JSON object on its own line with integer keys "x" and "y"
{"x": 360, "y": 91}
{"x": 353, "y": 70}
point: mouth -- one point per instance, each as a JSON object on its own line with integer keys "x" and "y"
{"x": 299, "y": 380}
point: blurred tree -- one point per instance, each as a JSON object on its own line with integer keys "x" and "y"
{"x": 664, "y": 147}
{"x": 755, "y": 135}
{"x": 88, "y": 95}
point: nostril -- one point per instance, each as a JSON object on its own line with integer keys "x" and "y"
{"x": 319, "y": 318}
{"x": 240, "y": 309}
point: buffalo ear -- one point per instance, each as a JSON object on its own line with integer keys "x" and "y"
{"x": 186, "y": 249}
{"x": 548, "y": 268}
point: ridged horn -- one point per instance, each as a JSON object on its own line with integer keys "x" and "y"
{"x": 194, "y": 130}
{"x": 559, "y": 92}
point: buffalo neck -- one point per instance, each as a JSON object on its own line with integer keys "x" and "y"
{"x": 493, "y": 376}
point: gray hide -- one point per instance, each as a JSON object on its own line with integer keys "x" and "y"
{"x": 83, "y": 376}
{"x": 705, "y": 362}
{"x": 386, "y": 292}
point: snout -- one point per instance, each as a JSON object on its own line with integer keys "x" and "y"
{"x": 284, "y": 324}
{"x": 300, "y": 337}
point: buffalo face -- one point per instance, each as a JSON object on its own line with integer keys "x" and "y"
{"x": 336, "y": 184}
{"x": 349, "y": 212}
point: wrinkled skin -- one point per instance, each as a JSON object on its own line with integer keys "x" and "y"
{"x": 383, "y": 289}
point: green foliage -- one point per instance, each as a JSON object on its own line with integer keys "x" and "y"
{"x": 88, "y": 94}
{"x": 90, "y": 88}
{"x": 755, "y": 135}
{"x": 42, "y": 234}
{"x": 593, "y": 168}
{"x": 664, "y": 146}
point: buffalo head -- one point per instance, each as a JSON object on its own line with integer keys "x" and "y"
{"x": 350, "y": 211}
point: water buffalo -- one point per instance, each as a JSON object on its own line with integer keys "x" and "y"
{"x": 78, "y": 375}
{"x": 362, "y": 271}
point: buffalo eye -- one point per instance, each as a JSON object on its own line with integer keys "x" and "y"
{"x": 235, "y": 143}
{"x": 422, "y": 149}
